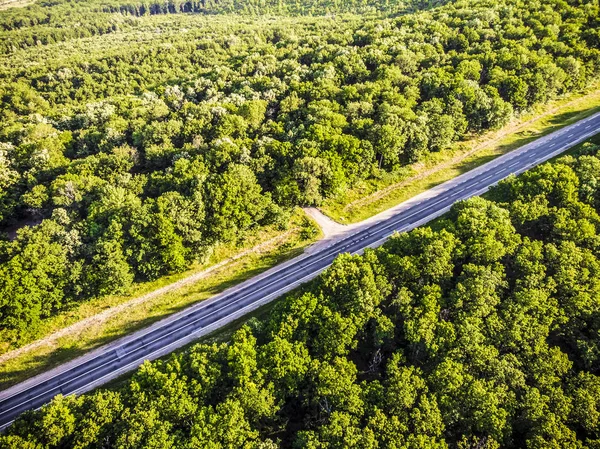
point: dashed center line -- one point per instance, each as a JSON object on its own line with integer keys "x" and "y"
{"x": 437, "y": 202}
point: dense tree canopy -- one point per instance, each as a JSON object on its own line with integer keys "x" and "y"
{"x": 134, "y": 154}
{"x": 484, "y": 333}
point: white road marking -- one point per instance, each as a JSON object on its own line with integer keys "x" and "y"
{"x": 437, "y": 202}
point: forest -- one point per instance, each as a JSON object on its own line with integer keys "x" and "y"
{"x": 131, "y": 144}
{"x": 44, "y": 21}
{"x": 481, "y": 333}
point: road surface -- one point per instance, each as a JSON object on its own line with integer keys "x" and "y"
{"x": 122, "y": 356}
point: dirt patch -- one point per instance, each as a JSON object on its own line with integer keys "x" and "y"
{"x": 14, "y": 3}
{"x": 328, "y": 226}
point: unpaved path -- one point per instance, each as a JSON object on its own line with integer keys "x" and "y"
{"x": 109, "y": 313}
{"x": 329, "y": 227}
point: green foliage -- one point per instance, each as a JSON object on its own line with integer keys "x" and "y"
{"x": 43, "y": 23}
{"x": 174, "y": 132}
{"x": 484, "y": 334}
{"x": 128, "y": 156}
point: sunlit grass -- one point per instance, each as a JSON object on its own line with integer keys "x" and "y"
{"x": 303, "y": 232}
{"x": 366, "y": 200}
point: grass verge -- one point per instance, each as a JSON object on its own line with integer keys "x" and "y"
{"x": 372, "y": 196}
{"x": 300, "y": 234}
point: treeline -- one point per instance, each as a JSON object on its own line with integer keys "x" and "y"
{"x": 44, "y": 22}
{"x": 85, "y": 27}
{"x": 261, "y": 7}
{"x": 484, "y": 333}
{"x": 128, "y": 184}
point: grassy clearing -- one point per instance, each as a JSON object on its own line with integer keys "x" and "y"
{"x": 373, "y": 196}
{"x": 301, "y": 233}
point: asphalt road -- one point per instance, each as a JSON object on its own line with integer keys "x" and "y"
{"x": 116, "y": 359}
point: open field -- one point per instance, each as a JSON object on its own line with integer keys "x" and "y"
{"x": 14, "y": 4}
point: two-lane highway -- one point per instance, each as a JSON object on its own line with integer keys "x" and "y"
{"x": 115, "y": 359}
